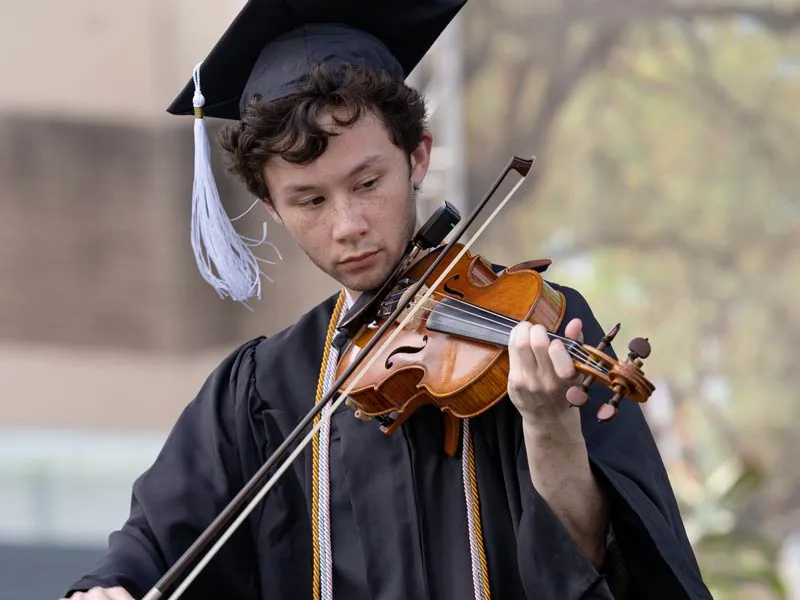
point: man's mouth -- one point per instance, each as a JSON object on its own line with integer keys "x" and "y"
{"x": 359, "y": 261}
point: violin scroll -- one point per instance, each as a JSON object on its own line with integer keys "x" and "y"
{"x": 625, "y": 378}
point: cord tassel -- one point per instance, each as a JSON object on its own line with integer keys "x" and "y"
{"x": 223, "y": 257}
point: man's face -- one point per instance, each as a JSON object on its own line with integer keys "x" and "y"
{"x": 353, "y": 210}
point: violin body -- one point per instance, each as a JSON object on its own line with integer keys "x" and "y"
{"x": 453, "y": 352}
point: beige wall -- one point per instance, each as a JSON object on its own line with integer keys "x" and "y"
{"x": 103, "y": 59}
{"x": 104, "y": 321}
{"x": 87, "y": 388}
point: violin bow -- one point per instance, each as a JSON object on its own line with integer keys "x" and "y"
{"x": 186, "y": 569}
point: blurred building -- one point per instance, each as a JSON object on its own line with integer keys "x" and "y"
{"x": 106, "y": 328}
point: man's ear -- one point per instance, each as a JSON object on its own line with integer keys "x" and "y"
{"x": 272, "y": 211}
{"x": 421, "y": 159}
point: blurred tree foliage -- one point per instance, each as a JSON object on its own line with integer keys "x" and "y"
{"x": 666, "y": 144}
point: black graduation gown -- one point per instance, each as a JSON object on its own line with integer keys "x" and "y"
{"x": 399, "y": 528}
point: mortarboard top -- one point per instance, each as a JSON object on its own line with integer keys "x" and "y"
{"x": 269, "y": 49}
{"x": 272, "y": 44}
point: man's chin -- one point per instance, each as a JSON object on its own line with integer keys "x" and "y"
{"x": 362, "y": 285}
{"x": 363, "y": 282}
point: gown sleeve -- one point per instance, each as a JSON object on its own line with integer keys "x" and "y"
{"x": 194, "y": 476}
{"x": 649, "y": 555}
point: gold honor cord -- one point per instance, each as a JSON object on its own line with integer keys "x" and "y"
{"x": 317, "y": 574}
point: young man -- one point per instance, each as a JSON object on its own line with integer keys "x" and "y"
{"x": 539, "y": 502}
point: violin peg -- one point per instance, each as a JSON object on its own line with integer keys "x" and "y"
{"x": 577, "y": 396}
{"x": 609, "y": 337}
{"x": 609, "y": 410}
{"x": 612, "y": 333}
{"x": 606, "y": 412}
{"x": 639, "y": 348}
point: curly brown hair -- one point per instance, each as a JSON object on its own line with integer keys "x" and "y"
{"x": 289, "y": 127}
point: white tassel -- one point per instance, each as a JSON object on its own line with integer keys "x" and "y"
{"x": 215, "y": 242}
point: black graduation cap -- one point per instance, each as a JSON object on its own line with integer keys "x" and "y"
{"x": 271, "y": 45}
{"x": 270, "y": 49}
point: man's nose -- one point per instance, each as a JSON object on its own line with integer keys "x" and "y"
{"x": 351, "y": 222}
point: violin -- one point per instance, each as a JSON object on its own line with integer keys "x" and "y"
{"x": 452, "y": 350}
{"x": 442, "y": 342}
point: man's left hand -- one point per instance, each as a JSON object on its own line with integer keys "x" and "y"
{"x": 541, "y": 371}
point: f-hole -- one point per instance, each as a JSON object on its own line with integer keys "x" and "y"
{"x": 450, "y": 290}
{"x": 406, "y": 350}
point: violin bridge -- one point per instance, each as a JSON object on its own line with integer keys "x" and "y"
{"x": 420, "y": 312}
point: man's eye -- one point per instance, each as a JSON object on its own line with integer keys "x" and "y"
{"x": 314, "y": 201}
{"x": 370, "y": 183}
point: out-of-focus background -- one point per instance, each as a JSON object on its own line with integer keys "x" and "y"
{"x": 666, "y": 137}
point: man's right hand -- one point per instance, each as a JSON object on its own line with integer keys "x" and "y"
{"x": 98, "y": 593}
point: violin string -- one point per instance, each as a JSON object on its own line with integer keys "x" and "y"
{"x": 503, "y": 320}
{"x": 496, "y": 315}
{"x": 572, "y": 346}
{"x": 492, "y": 315}
{"x": 499, "y": 317}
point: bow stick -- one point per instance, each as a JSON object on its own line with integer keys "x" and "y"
{"x": 240, "y": 507}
